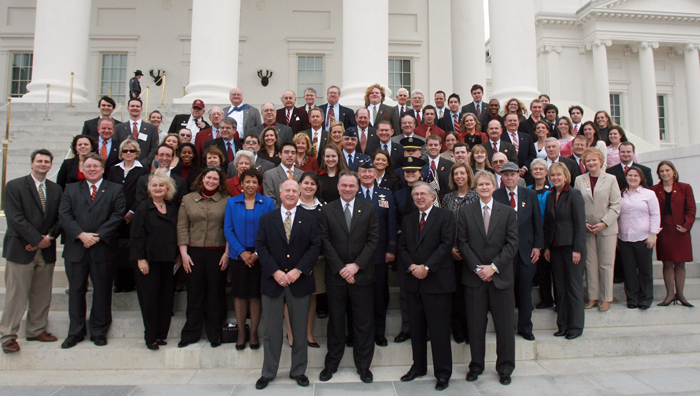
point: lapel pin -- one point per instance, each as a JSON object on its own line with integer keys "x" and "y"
{"x": 359, "y": 211}
{"x": 523, "y": 204}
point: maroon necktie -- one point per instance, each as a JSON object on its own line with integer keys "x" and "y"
{"x": 512, "y": 199}
{"x": 422, "y": 223}
{"x": 502, "y": 184}
{"x": 229, "y": 152}
{"x": 289, "y": 114}
{"x": 456, "y": 123}
{"x": 583, "y": 168}
{"x": 135, "y": 132}
{"x": 495, "y": 148}
{"x": 418, "y": 117}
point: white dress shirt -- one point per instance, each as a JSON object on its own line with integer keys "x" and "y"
{"x": 284, "y": 211}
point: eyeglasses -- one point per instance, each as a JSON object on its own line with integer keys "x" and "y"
{"x": 129, "y": 151}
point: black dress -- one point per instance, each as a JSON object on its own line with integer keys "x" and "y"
{"x": 329, "y": 187}
{"x": 275, "y": 159}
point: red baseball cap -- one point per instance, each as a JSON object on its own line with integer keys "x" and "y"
{"x": 198, "y": 104}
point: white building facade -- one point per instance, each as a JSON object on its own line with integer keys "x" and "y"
{"x": 638, "y": 59}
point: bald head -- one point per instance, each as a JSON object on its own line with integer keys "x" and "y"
{"x": 268, "y": 113}
{"x": 236, "y": 96}
{"x": 289, "y": 194}
{"x": 497, "y": 161}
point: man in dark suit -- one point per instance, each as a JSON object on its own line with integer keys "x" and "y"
{"x": 165, "y": 158}
{"x": 226, "y": 143}
{"x": 137, "y": 129}
{"x": 252, "y": 144}
{"x": 284, "y": 133}
{"x": 288, "y": 244}
{"x": 291, "y": 116}
{"x": 31, "y": 207}
{"x": 247, "y": 116}
{"x": 487, "y": 236}
{"x": 317, "y": 135}
{"x": 535, "y": 116}
{"x": 374, "y": 101}
{"x": 577, "y": 146}
{"x": 416, "y": 110}
{"x": 368, "y": 142}
{"x": 135, "y": 85}
{"x": 194, "y": 122}
{"x": 90, "y": 213}
{"x": 332, "y": 111}
{"x": 402, "y": 101}
{"x": 384, "y": 134}
{"x": 350, "y": 232}
{"x": 383, "y": 201}
{"x": 286, "y": 170}
{"x": 497, "y": 145}
{"x": 551, "y": 116}
{"x": 627, "y": 161}
{"x": 491, "y": 114}
{"x": 552, "y": 148}
{"x": 450, "y": 121}
{"x": 427, "y": 267}
{"x": 107, "y": 145}
{"x": 477, "y": 106}
{"x": 523, "y": 143}
{"x": 530, "y": 242}
{"x": 349, "y": 151}
{"x": 106, "y": 106}
{"x": 438, "y": 168}
{"x": 310, "y": 97}
{"x": 212, "y": 132}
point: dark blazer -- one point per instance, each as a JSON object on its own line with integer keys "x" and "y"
{"x": 134, "y": 87}
{"x": 346, "y": 116}
{"x": 90, "y": 127}
{"x": 385, "y": 205}
{"x": 431, "y": 247}
{"x": 276, "y": 254}
{"x": 320, "y": 144}
{"x": 219, "y": 142}
{"x": 396, "y": 152}
{"x": 388, "y": 113}
{"x": 79, "y": 213}
{"x": 444, "y": 167}
{"x": 572, "y": 166}
{"x": 148, "y": 147}
{"x": 404, "y": 203}
{"x": 142, "y": 189}
{"x": 27, "y": 222}
{"x": 391, "y": 183}
{"x": 180, "y": 121}
{"x": 412, "y": 112}
{"x": 619, "y": 173}
{"x": 372, "y": 141}
{"x": 342, "y": 247}
{"x": 471, "y": 108}
{"x": 298, "y": 121}
{"x": 154, "y": 234}
{"x": 284, "y": 133}
{"x": 504, "y": 147}
{"x": 575, "y": 171}
{"x": 112, "y": 156}
{"x": 567, "y": 220}
{"x": 261, "y": 164}
{"x": 530, "y": 232}
{"x": 128, "y": 183}
{"x": 447, "y": 123}
{"x": 499, "y": 246}
{"x": 195, "y": 170}
{"x": 528, "y": 126}
{"x": 68, "y": 173}
{"x": 526, "y": 148}
{"x": 486, "y": 118}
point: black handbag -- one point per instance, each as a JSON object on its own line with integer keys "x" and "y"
{"x": 229, "y": 333}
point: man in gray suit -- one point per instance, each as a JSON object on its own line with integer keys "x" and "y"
{"x": 284, "y": 133}
{"x": 90, "y": 213}
{"x": 31, "y": 206}
{"x": 247, "y": 116}
{"x": 285, "y": 171}
{"x": 137, "y": 129}
{"x": 252, "y": 144}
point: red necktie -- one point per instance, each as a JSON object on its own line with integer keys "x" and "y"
{"x": 432, "y": 165}
{"x": 103, "y": 149}
{"x": 583, "y": 168}
{"x": 512, "y": 199}
{"x": 516, "y": 143}
{"x": 575, "y": 130}
{"x": 289, "y": 114}
{"x": 456, "y": 123}
{"x": 495, "y": 148}
{"x": 135, "y": 132}
{"x": 502, "y": 184}
{"x": 94, "y": 192}
{"x": 422, "y": 223}
{"x": 418, "y": 117}
{"x": 626, "y": 169}
{"x": 229, "y": 152}
{"x": 331, "y": 116}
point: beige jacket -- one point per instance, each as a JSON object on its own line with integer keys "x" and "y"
{"x": 200, "y": 222}
{"x": 603, "y": 205}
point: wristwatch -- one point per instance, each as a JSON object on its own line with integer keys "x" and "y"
{"x": 493, "y": 266}
{"x": 426, "y": 267}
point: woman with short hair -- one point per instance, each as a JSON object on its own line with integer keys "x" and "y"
{"x": 305, "y": 160}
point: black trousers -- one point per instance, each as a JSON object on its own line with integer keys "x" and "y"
{"x": 568, "y": 282}
{"x": 459, "y": 310}
{"x": 501, "y": 303}
{"x": 638, "y": 270}
{"x": 101, "y": 274}
{"x": 156, "y": 298}
{"x": 431, "y": 313}
{"x": 544, "y": 273}
{"x": 124, "y": 267}
{"x": 362, "y": 301}
{"x": 381, "y": 301}
{"x": 206, "y": 296}
{"x": 524, "y": 274}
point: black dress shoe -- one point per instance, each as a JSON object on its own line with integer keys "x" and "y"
{"x": 99, "y": 340}
{"x": 504, "y": 378}
{"x": 254, "y": 346}
{"x": 262, "y": 382}
{"x": 402, "y": 337}
{"x": 544, "y": 305}
{"x": 442, "y": 384}
{"x": 349, "y": 341}
{"x": 326, "y": 374}
{"x": 644, "y": 307}
{"x": 153, "y": 347}
{"x": 631, "y": 306}
{"x": 410, "y": 376}
{"x": 381, "y": 341}
{"x": 527, "y": 336}
{"x": 216, "y": 344}
{"x": 161, "y": 342}
{"x": 560, "y": 333}
{"x": 182, "y": 344}
{"x": 459, "y": 338}
{"x": 301, "y": 380}
{"x": 240, "y": 347}
{"x": 570, "y": 336}
{"x": 472, "y": 376}
{"x": 71, "y": 341}
{"x": 118, "y": 289}
{"x": 366, "y": 376}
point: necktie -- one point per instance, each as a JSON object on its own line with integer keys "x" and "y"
{"x": 626, "y": 169}
{"x": 42, "y": 197}
{"x": 94, "y": 192}
{"x": 427, "y": 132}
{"x": 291, "y": 174}
{"x": 103, "y": 149}
{"x": 487, "y": 218}
{"x": 403, "y": 110}
{"x": 348, "y": 216}
{"x": 385, "y": 147}
{"x": 214, "y": 133}
{"x": 289, "y": 114}
{"x": 456, "y": 123}
{"x": 516, "y": 142}
{"x": 432, "y": 165}
{"x": 369, "y": 197}
{"x": 440, "y": 113}
{"x": 374, "y": 113}
{"x": 135, "y": 131}
{"x": 418, "y": 122}
{"x": 314, "y": 144}
{"x": 583, "y": 168}
{"x": 512, "y": 199}
{"x": 288, "y": 225}
{"x": 575, "y": 130}
{"x": 422, "y": 223}
{"x": 350, "y": 163}
{"x": 478, "y": 109}
{"x": 502, "y": 183}
{"x": 363, "y": 140}
{"x": 229, "y": 152}
{"x": 331, "y": 116}
{"x": 495, "y": 147}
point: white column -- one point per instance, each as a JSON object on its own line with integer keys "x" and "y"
{"x": 468, "y": 46}
{"x": 213, "y": 51}
{"x": 61, "y": 39}
{"x": 365, "y": 49}
{"x": 513, "y": 50}
{"x": 552, "y": 80}
{"x": 692, "y": 87}
{"x": 647, "y": 77}
{"x": 601, "y": 83}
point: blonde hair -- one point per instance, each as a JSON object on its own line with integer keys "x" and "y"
{"x": 161, "y": 176}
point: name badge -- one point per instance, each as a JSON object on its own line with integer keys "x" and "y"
{"x": 143, "y": 136}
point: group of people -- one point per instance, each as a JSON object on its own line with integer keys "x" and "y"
{"x": 306, "y": 210}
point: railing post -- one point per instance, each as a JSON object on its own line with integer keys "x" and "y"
{"x": 72, "y": 76}
{"x": 48, "y": 92}
{"x": 162, "y": 95}
{"x": 5, "y": 146}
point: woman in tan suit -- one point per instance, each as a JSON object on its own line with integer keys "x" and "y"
{"x": 601, "y": 196}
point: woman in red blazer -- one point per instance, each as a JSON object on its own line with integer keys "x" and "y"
{"x": 673, "y": 246}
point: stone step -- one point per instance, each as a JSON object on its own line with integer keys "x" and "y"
{"x": 130, "y": 353}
